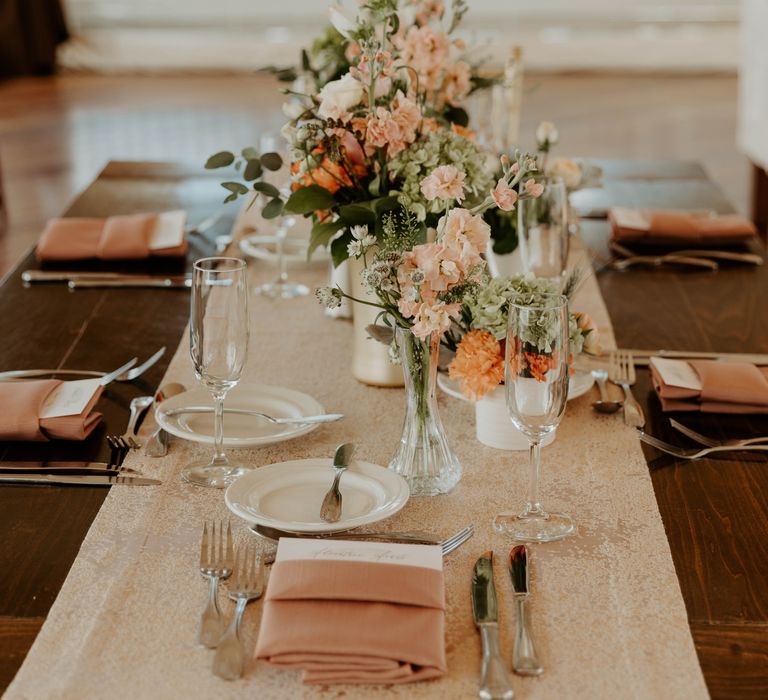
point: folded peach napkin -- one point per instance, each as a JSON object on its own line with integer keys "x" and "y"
{"x": 26, "y": 412}
{"x": 131, "y": 237}
{"x": 678, "y": 228}
{"x": 722, "y": 387}
{"x": 355, "y": 612}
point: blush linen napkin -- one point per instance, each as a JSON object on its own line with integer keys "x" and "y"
{"x": 725, "y": 387}
{"x": 23, "y": 403}
{"x": 355, "y": 612}
{"x": 130, "y": 237}
{"x": 678, "y": 228}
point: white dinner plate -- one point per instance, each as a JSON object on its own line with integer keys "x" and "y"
{"x": 580, "y": 383}
{"x": 288, "y": 495}
{"x": 240, "y": 430}
{"x": 264, "y": 247}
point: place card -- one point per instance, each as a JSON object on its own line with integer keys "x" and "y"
{"x": 676, "y": 373}
{"x": 634, "y": 219}
{"x": 168, "y": 230}
{"x": 424, "y": 556}
{"x": 70, "y": 398}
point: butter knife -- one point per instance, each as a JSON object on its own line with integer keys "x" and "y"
{"x": 494, "y": 681}
{"x": 46, "y": 276}
{"x": 524, "y": 661}
{"x": 77, "y": 479}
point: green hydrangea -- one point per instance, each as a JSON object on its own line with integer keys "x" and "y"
{"x": 431, "y": 150}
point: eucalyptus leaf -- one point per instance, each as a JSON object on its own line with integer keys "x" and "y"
{"x": 381, "y": 333}
{"x": 272, "y": 161}
{"x": 308, "y": 199}
{"x": 230, "y": 198}
{"x": 235, "y": 187}
{"x": 273, "y": 209}
{"x": 252, "y": 170}
{"x": 250, "y": 153}
{"x": 374, "y": 186}
{"x": 266, "y": 188}
{"x": 220, "y": 160}
{"x": 356, "y": 214}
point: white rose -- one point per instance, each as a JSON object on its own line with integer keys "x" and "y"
{"x": 566, "y": 169}
{"x": 547, "y": 132}
{"x": 339, "y": 96}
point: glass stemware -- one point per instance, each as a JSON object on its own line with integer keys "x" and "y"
{"x": 281, "y": 287}
{"x": 542, "y": 225}
{"x": 536, "y": 385}
{"x": 218, "y": 336}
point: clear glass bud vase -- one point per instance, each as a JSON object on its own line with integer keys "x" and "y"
{"x": 423, "y": 457}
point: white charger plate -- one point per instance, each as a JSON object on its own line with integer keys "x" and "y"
{"x": 580, "y": 383}
{"x": 288, "y": 495}
{"x": 240, "y": 430}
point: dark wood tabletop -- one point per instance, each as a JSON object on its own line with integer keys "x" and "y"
{"x": 715, "y": 512}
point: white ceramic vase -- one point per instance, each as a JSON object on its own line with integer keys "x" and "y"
{"x": 494, "y": 427}
{"x": 505, "y": 265}
{"x": 370, "y": 358}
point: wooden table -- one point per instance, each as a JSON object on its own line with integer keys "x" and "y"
{"x": 715, "y": 512}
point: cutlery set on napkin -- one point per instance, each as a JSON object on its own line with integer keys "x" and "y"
{"x": 681, "y": 238}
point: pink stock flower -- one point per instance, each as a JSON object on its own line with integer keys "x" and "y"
{"x": 434, "y": 318}
{"x": 533, "y": 188}
{"x": 504, "y": 196}
{"x": 383, "y": 131}
{"x": 457, "y": 83}
{"x": 407, "y": 114}
{"x": 462, "y": 223}
{"x": 445, "y": 182}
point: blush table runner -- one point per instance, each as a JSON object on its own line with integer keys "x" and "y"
{"x": 606, "y": 610}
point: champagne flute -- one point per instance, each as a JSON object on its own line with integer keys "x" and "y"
{"x": 281, "y": 287}
{"x": 536, "y": 385}
{"x": 543, "y": 235}
{"x": 218, "y": 336}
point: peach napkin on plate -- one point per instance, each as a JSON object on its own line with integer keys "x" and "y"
{"x": 355, "y": 612}
{"x": 678, "y": 228}
{"x": 44, "y": 409}
{"x": 131, "y": 237}
{"x": 709, "y": 386}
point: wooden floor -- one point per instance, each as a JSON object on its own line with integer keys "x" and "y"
{"x": 57, "y": 133}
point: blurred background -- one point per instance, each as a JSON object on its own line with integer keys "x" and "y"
{"x": 86, "y": 81}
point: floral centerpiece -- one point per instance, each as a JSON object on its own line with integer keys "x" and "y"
{"x": 479, "y": 360}
{"x": 420, "y": 289}
{"x": 377, "y": 107}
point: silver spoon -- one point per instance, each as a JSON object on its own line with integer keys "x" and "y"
{"x": 330, "y": 511}
{"x": 605, "y": 404}
{"x": 157, "y": 445}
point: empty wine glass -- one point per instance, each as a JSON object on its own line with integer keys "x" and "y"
{"x": 218, "y": 337}
{"x": 542, "y": 225}
{"x": 536, "y": 385}
{"x": 281, "y": 287}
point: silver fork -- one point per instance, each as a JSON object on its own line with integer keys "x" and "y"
{"x": 621, "y": 371}
{"x": 457, "y": 540}
{"x": 119, "y": 447}
{"x": 695, "y": 454}
{"x": 247, "y": 584}
{"x": 216, "y": 560}
{"x": 710, "y": 442}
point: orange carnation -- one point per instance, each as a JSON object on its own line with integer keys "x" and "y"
{"x": 479, "y": 364}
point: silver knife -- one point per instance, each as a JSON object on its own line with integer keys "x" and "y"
{"x": 181, "y": 282}
{"x": 64, "y": 468}
{"x": 642, "y": 357}
{"x": 78, "y": 479}
{"x": 494, "y": 681}
{"x": 524, "y": 661}
{"x": 44, "y": 276}
{"x": 321, "y": 418}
